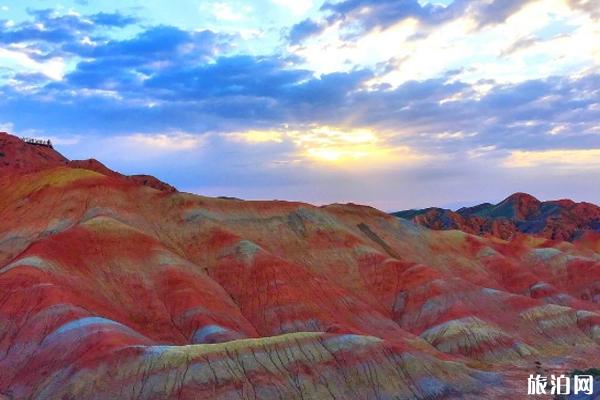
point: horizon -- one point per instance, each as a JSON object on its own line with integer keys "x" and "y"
{"x": 393, "y": 104}
{"x": 456, "y": 207}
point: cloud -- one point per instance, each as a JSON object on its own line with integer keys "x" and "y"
{"x": 224, "y": 11}
{"x": 339, "y": 146}
{"x": 491, "y": 12}
{"x": 113, "y": 19}
{"x": 130, "y": 86}
{"x": 559, "y": 158}
{"x": 128, "y": 64}
{"x": 254, "y": 136}
{"x": 163, "y": 142}
{"x": 179, "y": 79}
{"x": 50, "y": 29}
{"x": 588, "y": 6}
{"x": 66, "y": 140}
{"x": 508, "y": 41}
{"x": 364, "y": 16}
{"x": 305, "y": 29}
{"x": 158, "y": 43}
{"x": 53, "y": 68}
{"x": 7, "y": 127}
{"x": 481, "y": 151}
{"x": 520, "y": 44}
{"x": 272, "y": 121}
{"x": 45, "y": 43}
{"x": 230, "y": 76}
{"x": 135, "y": 148}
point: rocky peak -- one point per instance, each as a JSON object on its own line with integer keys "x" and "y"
{"x": 18, "y": 156}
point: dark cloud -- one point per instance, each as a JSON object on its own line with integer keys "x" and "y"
{"x": 493, "y": 12}
{"x": 360, "y": 16}
{"x": 230, "y": 76}
{"x": 305, "y": 29}
{"x": 46, "y": 27}
{"x": 166, "y": 78}
{"x": 51, "y": 34}
{"x": 381, "y": 13}
{"x": 520, "y": 44}
{"x": 590, "y": 6}
{"x": 236, "y": 93}
{"x": 113, "y": 19}
{"x": 160, "y": 42}
{"x": 230, "y": 93}
{"x": 154, "y": 54}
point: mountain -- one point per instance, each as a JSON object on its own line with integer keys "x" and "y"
{"x": 518, "y": 214}
{"x": 19, "y": 157}
{"x": 16, "y": 156}
{"x": 111, "y": 289}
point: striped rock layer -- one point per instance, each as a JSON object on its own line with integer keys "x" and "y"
{"x": 110, "y": 288}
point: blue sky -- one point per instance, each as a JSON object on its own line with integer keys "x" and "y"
{"x": 392, "y": 103}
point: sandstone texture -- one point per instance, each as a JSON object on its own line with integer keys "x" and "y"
{"x": 113, "y": 289}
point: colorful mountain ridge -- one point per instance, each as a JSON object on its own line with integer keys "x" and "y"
{"x": 519, "y": 213}
{"x": 114, "y": 288}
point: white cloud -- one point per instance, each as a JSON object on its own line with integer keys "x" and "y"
{"x": 250, "y": 34}
{"x": 224, "y": 11}
{"x": 562, "y": 41}
{"x": 7, "y": 127}
{"x": 141, "y": 147}
{"x": 481, "y": 151}
{"x": 65, "y": 140}
{"x": 53, "y": 68}
{"x": 578, "y": 158}
{"x": 255, "y": 136}
{"x": 160, "y": 142}
{"x": 454, "y": 135}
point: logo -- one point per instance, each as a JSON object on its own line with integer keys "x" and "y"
{"x": 578, "y": 384}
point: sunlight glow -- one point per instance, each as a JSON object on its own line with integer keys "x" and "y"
{"x": 335, "y": 145}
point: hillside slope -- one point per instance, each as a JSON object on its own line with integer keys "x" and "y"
{"x": 112, "y": 289}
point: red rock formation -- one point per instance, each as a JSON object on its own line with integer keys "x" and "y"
{"x": 111, "y": 290}
{"x": 93, "y": 165}
{"x": 519, "y": 213}
{"x": 17, "y": 156}
{"x": 144, "y": 180}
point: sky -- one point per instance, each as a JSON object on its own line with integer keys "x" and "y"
{"x": 392, "y": 103}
